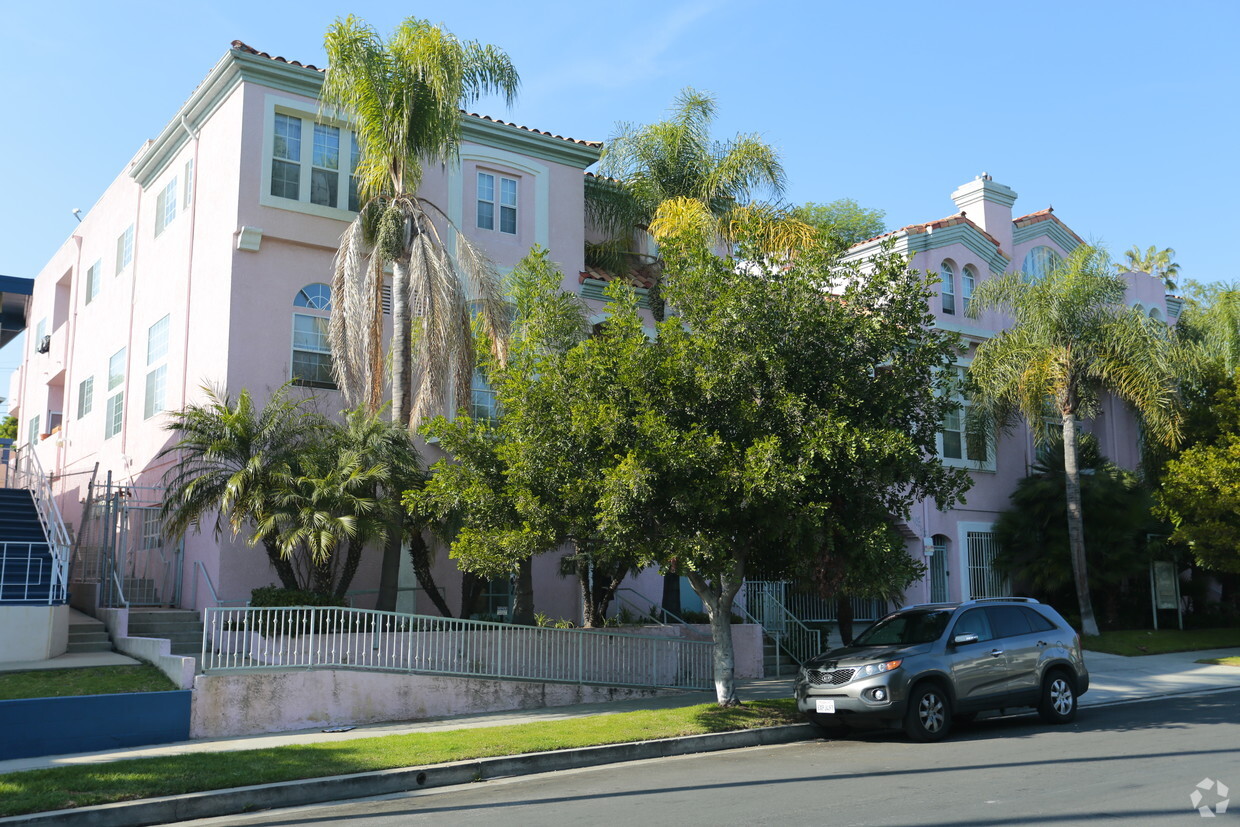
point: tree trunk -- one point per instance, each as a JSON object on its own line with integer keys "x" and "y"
{"x": 718, "y": 598}
{"x": 671, "y": 594}
{"x": 420, "y": 555}
{"x": 523, "y": 596}
{"x": 844, "y": 618}
{"x": 402, "y": 344}
{"x": 389, "y": 570}
{"x": 351, "y": 560}
{"x": 471, "y": 589}
{"x": 1076, "y": 525}
{"x": 598, "y": 588}
{"x": 282, "y": 565}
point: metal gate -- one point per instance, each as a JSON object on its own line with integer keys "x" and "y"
{"x": 984, "y": 581}
{"x": 938, "y": 570}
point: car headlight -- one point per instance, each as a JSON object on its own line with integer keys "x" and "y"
{"x": 877, "y": 668}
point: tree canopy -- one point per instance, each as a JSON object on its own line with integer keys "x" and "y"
{"x": 844, "y": 221}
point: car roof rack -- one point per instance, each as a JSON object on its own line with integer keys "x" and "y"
{"x": 999, "y": 600}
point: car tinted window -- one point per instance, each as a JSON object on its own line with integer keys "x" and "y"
{"x": 1008, "y": 621}
{"x": 1037, "y": 621}
{"x": 973, "y": 622}
{"x": 905, "y": 629}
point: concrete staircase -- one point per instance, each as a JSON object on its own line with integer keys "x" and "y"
{"x": 776, "y": 663}
{"x": 25, "y": 557}
{"x": 181, "y": 626}
{"x": 86, "y": 634}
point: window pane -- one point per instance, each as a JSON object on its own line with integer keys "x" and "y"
{"x": 486, "y": 215}
{"x": 949, "y": 302}
{"x": 285, "y": 179}
{"x": 157, "y": 341}
{"x": 156, "y": 382}
{"x": 951, "y": 445}
{"x": 317, "y": 296}
{"x": 189, "y": 181}
{"x": 116, "y": 369}
{"x": 114, "y": 416}
{"x": 326, "y": 146}
{"x": 323, "y": 187}
{"x": 310, "y": 333}
{"x": 86, "y": 392}
{"x": 486, "y": 187}
{"x": 508, "y": 192}
{"x": 288, "y": 138}
{"x": 508, "y": 220}
{"x": 170, "y": 202}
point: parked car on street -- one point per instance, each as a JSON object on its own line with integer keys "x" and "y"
{"x": 922, "y": 666}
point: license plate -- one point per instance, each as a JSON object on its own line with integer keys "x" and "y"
{"x": 824, "y": 706}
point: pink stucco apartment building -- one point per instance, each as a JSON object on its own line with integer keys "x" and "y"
{"x": 206, "y": 261}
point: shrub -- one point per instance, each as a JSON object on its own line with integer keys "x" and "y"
{"x": 277, "y": 597}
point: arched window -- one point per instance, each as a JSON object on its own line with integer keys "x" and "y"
{"x": 312, "y": 355}
{"x": 1157, "y": 315}
{"x": 968, "y": 280}
{"x": 947, "y": 274}
{"x": 1039, "y": 263}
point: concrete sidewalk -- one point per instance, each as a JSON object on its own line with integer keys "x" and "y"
{"x": 1113, "y": 679}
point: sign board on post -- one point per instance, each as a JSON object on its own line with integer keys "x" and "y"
{"x": 1165, "y": 591}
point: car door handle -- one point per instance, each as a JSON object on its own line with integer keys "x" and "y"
{"x": 994, "y": 653}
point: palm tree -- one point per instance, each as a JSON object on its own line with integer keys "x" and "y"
{"x": 1153, "y": 261}
{"x": 230, "y": 456}
{"x": 1071, "y": 341}
{"x": 404, "y": 97}
{"x": 670, "y": 178}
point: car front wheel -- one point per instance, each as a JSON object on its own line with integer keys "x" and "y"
{"x": 929, "y": 713}
{"x": 1058, "y": 704}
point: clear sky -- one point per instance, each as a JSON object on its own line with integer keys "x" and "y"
{"x": 1121, "y": 113}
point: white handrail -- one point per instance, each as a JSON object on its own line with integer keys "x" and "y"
{"x": 27, "y": 473}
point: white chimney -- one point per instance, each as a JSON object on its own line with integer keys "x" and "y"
{"x": 989, "y": 206}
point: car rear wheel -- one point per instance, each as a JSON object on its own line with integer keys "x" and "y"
{"x": 929, "y": 713}
{"x": 1058, "y": 705}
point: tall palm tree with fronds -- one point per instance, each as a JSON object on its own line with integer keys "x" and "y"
{"x": 1072, "y": 340}
{"x": 230, "y": 455}
{"x": 671, "y": 178}
{"x": 404, "y": 98}
{"x": 1158, "y": 263}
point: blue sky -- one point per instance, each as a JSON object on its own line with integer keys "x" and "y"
{"x": 1123, "y": 115}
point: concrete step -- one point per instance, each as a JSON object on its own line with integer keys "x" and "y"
{"x": 89, "y": 646}
{"x": 88, "y": 635}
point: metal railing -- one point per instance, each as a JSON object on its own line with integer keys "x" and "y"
{"x": 22, "y": 470}
{"x": 810, "y": 607}
{"x": 762, "y": 601}
{"x": 26, "y": 574}
{"x": 340, "y": 638}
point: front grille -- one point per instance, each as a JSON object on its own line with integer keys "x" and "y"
{"x": 835, "y": 677}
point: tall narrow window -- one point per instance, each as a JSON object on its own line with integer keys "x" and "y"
{"x": 286, "y": 158}
{"x": 189, "y": 183}
{"x": 114, "y": 415}
{"x": 166, "y": 206}
{"x": 157, "y": 373}
{"x": 92, "y": 280}
{"x": 355, "y": 155}
{"x": 968, "y": 280}
{"x": 325, "y": 166}
{"x": 86, "y": 396}
{"x": 124, "y": 249}
{"x": 508, "y": 206}
{"x": 34, "y": 431}
{"x": 956, "y": 443}
{"x": 947, "y": 274}
{"x": 312, "y": 355}
{"x": 486, "y": 201}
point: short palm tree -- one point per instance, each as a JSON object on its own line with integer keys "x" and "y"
{"x": 670, "y": 178}
{"x": 1156, "y": 262}
{"x": 1071, "y": 341}
{"x": 404, "y": 97}
{"x": 230, "y": 455}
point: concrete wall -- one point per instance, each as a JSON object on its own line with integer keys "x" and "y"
{"x": 155, "y": 651}
{"x": 89, "y": 723}
{"x": 246, "y": 704}
{"x": 33, "y": 632}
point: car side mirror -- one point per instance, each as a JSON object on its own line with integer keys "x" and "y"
{"x": 961, "y": 640}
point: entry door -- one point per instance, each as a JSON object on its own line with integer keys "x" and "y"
{"x": 938, "y": 570}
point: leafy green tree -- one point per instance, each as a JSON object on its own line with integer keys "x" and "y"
{"x": 229, "y": 457}
{"x": 1072, "y": 341}
{"x": 844, "y": 221}
{"x": 1154, "y": 261}
{"x": 404, "y": 97}
{"x": 8, "y": 428}
{"x": 1033, "y": 534}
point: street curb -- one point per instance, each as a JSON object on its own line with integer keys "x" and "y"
{"x": 385, "y": 782}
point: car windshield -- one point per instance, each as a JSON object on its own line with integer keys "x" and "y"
{"x": 905, "y": 629}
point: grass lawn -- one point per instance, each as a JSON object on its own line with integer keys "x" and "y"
{"x": 80, "y": 786}
{"x": 1221, "y": 661}
{"x": 1147, "y": 642}
{"x": 91, "y": 680}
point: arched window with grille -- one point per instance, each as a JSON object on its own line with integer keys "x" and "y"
{"x": 968, "y": 280}
{"x": 1039, "y": 262}
{"x": 312, "y": 355}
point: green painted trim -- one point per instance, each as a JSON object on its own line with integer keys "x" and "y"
{"x": 1049, "y": 229}
{"x": 965, "y": 234}
{"x": 593, "y": 289}
{"x": 236, "y": 67}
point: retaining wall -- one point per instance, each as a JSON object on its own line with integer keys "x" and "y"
{"x": 90, "y": 723}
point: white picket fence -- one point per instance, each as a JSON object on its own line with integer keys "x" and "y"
{"x": 340, "y": 638}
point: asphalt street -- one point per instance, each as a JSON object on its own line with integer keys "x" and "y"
{"x": 1132, "y": 762}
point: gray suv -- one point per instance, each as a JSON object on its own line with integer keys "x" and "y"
{"x": 922, "y": 666}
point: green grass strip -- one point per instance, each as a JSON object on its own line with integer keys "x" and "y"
{"x": 91, "y": 680}
{"x": 1221, "y": 661}
{"x": 83, "y": 785}
{"x": 1138, "y": 642}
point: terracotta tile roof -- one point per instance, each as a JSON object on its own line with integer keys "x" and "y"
{"x": 633, "y": 277}
{"x": 242, "y": 47}
{"x": 1047, "y": 214}
{"x": 949, "y": 221}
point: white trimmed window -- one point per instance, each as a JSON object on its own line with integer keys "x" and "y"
{"x": 124, "y": 249}
{"x": 318, "y": 181}
{"x": 166, "y": 206}
{"x": 968, "y": 280}
{"x": 86, "y": 396}
{"x": 497, "y": 203}
{"x": 482, "y": 399}
{"x": 93, "y": 276}
{"x": 114, "y": 414}
{"x": 956, "y": 446}
{"x": 312, "y": 353}
{"x": 34, "y": 430}
{"x": 947, "y": 274}
{"x": 157, "y": 373}
{"x": 189, "y": 184}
